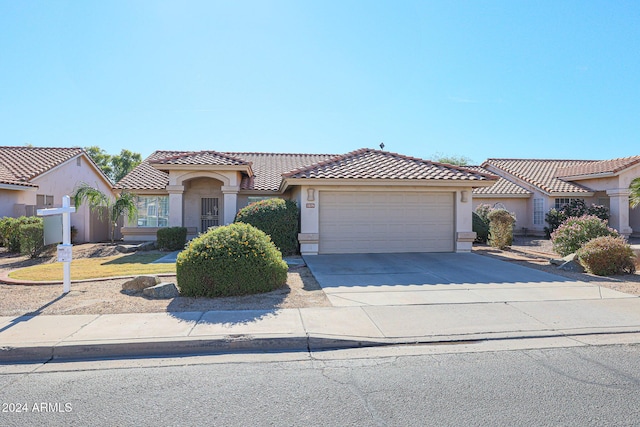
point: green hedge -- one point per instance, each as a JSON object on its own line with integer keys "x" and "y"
{"x": 280, "y": 219}
{"x": 10, "y": 231}
{"x": 236, "y": 259}
{"x": 171, "y": 238}
{"x": 32, "y": 239}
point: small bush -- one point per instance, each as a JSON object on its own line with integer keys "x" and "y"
{"x": 280, "y": 219}
{"x": 575, "y": 232}
{"x": 481, "y": 228}
{"x": 501, "y": 224}
{"x": 171, "y": 238}
{"x": 607, "y": 255}
{"x": 236, "y": 259}
{"x": 32, "y": 239}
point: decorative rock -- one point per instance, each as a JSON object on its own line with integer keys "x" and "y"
{"x": 147, "y": 246}
{"x": 162, "y": 290}
{"x": 572, "y": 266}
{"x": 139, "y": 283}
{"x": 564, "y": 260}
{"x": 126, "y": 249}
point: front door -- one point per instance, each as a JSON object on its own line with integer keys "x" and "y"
{"x": 208, "y": 213}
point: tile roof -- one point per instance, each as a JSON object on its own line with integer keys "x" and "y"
{"x": 146, "y": 177}
{"x": 541, "y": 173}
{"x": 503, "y": 187}
{"x": 20, "y": 164}
{"x": 374, "y": 164}
{"x": 599, "y": 167}
{"x": 203, "y": 158}
{"x": 267, "y": 168}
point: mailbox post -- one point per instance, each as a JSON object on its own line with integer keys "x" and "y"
{"x": 65, "y": 249}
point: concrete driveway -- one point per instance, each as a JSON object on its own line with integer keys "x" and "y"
{"x": 440, "y": 278}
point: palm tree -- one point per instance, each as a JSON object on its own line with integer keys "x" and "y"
{"x": 124, "y": 204}
{"x": 634, "y": 198}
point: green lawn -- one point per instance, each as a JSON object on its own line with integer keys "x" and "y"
{"x": 91, "y": 268}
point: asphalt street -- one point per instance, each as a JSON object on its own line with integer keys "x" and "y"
{"x": 581, "y": 386}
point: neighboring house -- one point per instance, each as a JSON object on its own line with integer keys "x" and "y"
{"x": 364, "y": 201}
{"x": 33, "y": 178}
{"x": 530, "y": 188}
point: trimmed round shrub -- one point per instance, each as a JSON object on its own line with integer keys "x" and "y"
{"x": 236, "y": 259}
{"x": 481, "y": 228}
{"x": 279, "y": 218}
{"x": 606, "y": 256}
{"x": 576, "y": 231}
{"x": 501, "y": 224}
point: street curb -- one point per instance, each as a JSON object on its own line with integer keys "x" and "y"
{"x": 249, "y": 343}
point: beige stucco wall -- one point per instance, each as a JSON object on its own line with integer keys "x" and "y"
{"x": 309, "y": 202}
{"x": 8, "y": 198}
{"x": 195, "y": 190}
{"x": 63, "y": 180}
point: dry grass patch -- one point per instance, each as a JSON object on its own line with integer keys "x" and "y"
{"x": 91, "y": 268}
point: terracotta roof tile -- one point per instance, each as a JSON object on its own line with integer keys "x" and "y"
{"x": 145, "y": 176}
{"x": 22, "y": 164}
{"x": 502, "y": 187}
{"x": 599, "y": 167}
{"x": 268, "y": 168}
{"x": 200, "y": 158}
{"x": 541, "y": 173}
{"x": 374, "y": 164}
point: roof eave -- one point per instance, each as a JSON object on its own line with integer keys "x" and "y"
{"x": 240, "y": 168}
{"x": 501, "y": 196}
{"x": 288, "y": 182}
{"x": 18, "y": 187}
{"x": 588, "y": 176}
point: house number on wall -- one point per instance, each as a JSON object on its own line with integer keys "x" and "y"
{"x": 311, "y": 205}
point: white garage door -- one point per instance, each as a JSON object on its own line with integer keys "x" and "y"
{"x": 368, "y": 222}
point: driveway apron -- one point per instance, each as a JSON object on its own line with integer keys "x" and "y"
{"x": 440, "y": 278}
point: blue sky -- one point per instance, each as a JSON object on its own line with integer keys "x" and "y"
{"x": 530, "y": 79}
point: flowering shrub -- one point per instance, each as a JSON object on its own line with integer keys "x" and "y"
{"x": 236, "y": 259}
{"x": 575, "y": 208}
{"x": 606, "y": 256}
{"x": 576, "y": 231}
{"x": 280, "y": 219}
{"x": 501, "y": 228}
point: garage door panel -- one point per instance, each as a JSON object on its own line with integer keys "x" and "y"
{"x": 353, "y": 222}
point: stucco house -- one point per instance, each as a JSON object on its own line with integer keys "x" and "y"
{"x": 531, "y": 187}
{"x": 363, "y": 201}
{"x": 32, "y": 178}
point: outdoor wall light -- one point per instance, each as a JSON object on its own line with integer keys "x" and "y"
{"x": 310, "y": 194}
{"x": 464, "y": 196}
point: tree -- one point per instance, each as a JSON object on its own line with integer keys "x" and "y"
{"x": 123, "y": 204}
{"x": 124, "y": 163}
{"x": 115, "y": 167}
{"x": 634, "y": 198}
{"x": 101, "y": 158}
{"x": 452, "y": 160}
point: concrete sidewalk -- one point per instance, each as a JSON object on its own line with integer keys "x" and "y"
{"x": 41, "y": 338}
